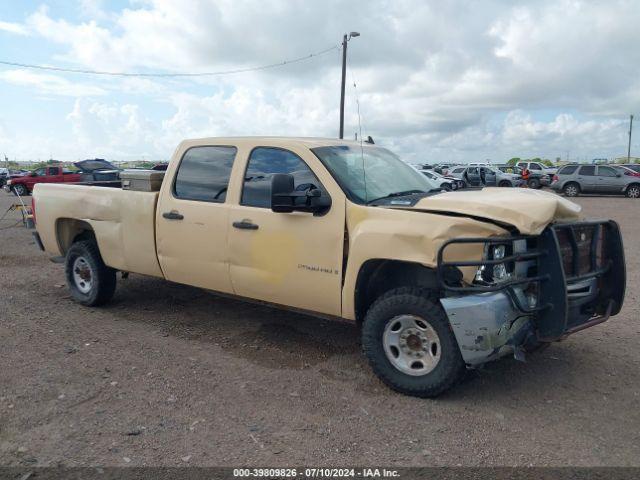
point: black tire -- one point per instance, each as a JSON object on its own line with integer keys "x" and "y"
{"x": 534, "y": 183}
{"x": 571, "y": 189}
{"x": 505, "y": 183}
{"x": 102, "y": 279}
{"x": 633, "y": 191}
{"x": 417, "y": 302}
{"x": 20, "y": 190}
{"x": 446, "y": 187}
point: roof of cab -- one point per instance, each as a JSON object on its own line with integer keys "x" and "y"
{"x": 309, "y": 142}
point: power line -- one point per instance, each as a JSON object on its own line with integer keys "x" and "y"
{"x": 168, "y": 75}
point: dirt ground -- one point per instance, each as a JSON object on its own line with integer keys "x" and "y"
{"x": 173, "y": 375}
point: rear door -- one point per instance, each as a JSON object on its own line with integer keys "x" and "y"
{"x": 587, "y": 178}
{"x": 292, "y": 259}
{"x": 474, "y": 176}
{"x": 192, "y": 215}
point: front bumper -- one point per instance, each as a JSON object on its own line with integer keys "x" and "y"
{"x": 576, "y": 270}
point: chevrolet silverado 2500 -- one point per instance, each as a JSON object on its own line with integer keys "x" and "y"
{"x": 438, "y": 281}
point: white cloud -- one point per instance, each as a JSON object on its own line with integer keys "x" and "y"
{"x": 14, "y": 28}
{"x": 50, "y": 84}
{"x": 434, "y": 79}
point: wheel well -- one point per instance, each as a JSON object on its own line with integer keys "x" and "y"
{"x": 504, "y": 182}
{"x": 71, "y": 230}
{"x": 631, "y": 185}
{"x": 572, "y": 182}
{"x": 378, "y": 276}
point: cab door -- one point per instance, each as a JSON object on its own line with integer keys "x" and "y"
{"x": 292, "y": 259}
{"x": 192, "y": 218}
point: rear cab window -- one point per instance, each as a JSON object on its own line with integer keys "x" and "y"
{"x": 204, "y": 173}
{"x": 263, "y": 163}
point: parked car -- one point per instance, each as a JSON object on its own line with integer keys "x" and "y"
{"x": 444, "y": 182}
{"x": 23, "y": 185}
{"x": 4, "y": 175}
{"x": 537, "y": 167}
{"x": 485, "y": 176}
{"x": 438, "y": 282}
{"x": 632, "y": 166}
{"x": 572, "y": 180}
{"x": 97, "y": 170}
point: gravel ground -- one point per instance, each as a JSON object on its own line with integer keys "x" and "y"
{"x": 173, "y": 375}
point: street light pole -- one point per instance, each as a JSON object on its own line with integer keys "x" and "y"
{"x": 629, "y": 147}
{"x": 345, "y": 39}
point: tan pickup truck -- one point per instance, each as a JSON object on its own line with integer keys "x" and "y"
{"x": 438, "y": 282}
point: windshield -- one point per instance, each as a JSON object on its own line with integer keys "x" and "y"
{"x": 366, "y": 173}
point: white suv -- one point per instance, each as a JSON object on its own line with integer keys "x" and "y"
{"x": 537, "y": 167}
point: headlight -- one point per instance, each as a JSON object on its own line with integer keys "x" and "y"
{"x": 500, "y": 270}
{"x": 494, "y": 273}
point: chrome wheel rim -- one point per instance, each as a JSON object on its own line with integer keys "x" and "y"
{"x": 634, "y": 192}
{"x": 82, "y": 275}
{"x": 571, "y": 191}
{"x": 411, "y": 345}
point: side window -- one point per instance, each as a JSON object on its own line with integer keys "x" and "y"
{"x": 535, "y": 166}
{"x": 568, "y": 170}
{"x": 522, "y": 165}
{"x": 40, "y": 172}
{"x": 588, "y": 170}
{"x": 263, "y": 163}
{"x": 606, "y": 172}
{"x": 53, "y": 171}
{"x": 204, "y": 174}
{"x": 459, "y": 170}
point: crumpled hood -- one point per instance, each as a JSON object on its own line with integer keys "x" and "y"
{"x": 530, "y": 211}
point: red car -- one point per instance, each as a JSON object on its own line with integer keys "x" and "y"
{"x": 24, "y": 185}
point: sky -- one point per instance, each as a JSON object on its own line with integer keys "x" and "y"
{"x": 446, "y": 81}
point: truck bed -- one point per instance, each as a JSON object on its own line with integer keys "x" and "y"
{"x": 123, "y": 222}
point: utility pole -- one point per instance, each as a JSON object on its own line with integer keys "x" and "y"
{"x": 629, "y": 147}
{"x": 345, "y": 39}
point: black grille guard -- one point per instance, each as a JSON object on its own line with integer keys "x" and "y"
{"x": 553, "y": 307}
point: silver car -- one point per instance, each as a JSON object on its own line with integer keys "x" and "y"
{"x": 572, "y": 180}
{"x": 485, "y": 176}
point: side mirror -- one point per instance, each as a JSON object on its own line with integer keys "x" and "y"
{"x": 285, "y": 198}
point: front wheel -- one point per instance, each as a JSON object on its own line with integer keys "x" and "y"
{"x": 409, "y": 344}
{"x": 90, "y": 281}
{"x": 20, "y": 190}
{"x": 534, "y": 183}
{"x": 446, "y": 187}
{"x": 504, "y": 184}
{"x": 633, "y": 191}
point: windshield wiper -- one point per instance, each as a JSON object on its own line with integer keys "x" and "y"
{"x": 396, "y": 194}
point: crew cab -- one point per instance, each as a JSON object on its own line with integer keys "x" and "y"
{"x": 537, "y": 167}
{"x": 437, "y": 281}
{"x": 23, "y": 185}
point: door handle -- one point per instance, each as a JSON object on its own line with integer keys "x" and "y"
{"x": 173, "y": 215}
{"x": 245, "y": 225}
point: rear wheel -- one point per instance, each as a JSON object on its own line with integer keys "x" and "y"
{"x": 571, "y": 189}
{"x": 633, "y": 191}
{"x": 409, "y": 344}
{"x": 90, "y": 281}
{"x": 534, "y": 183}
